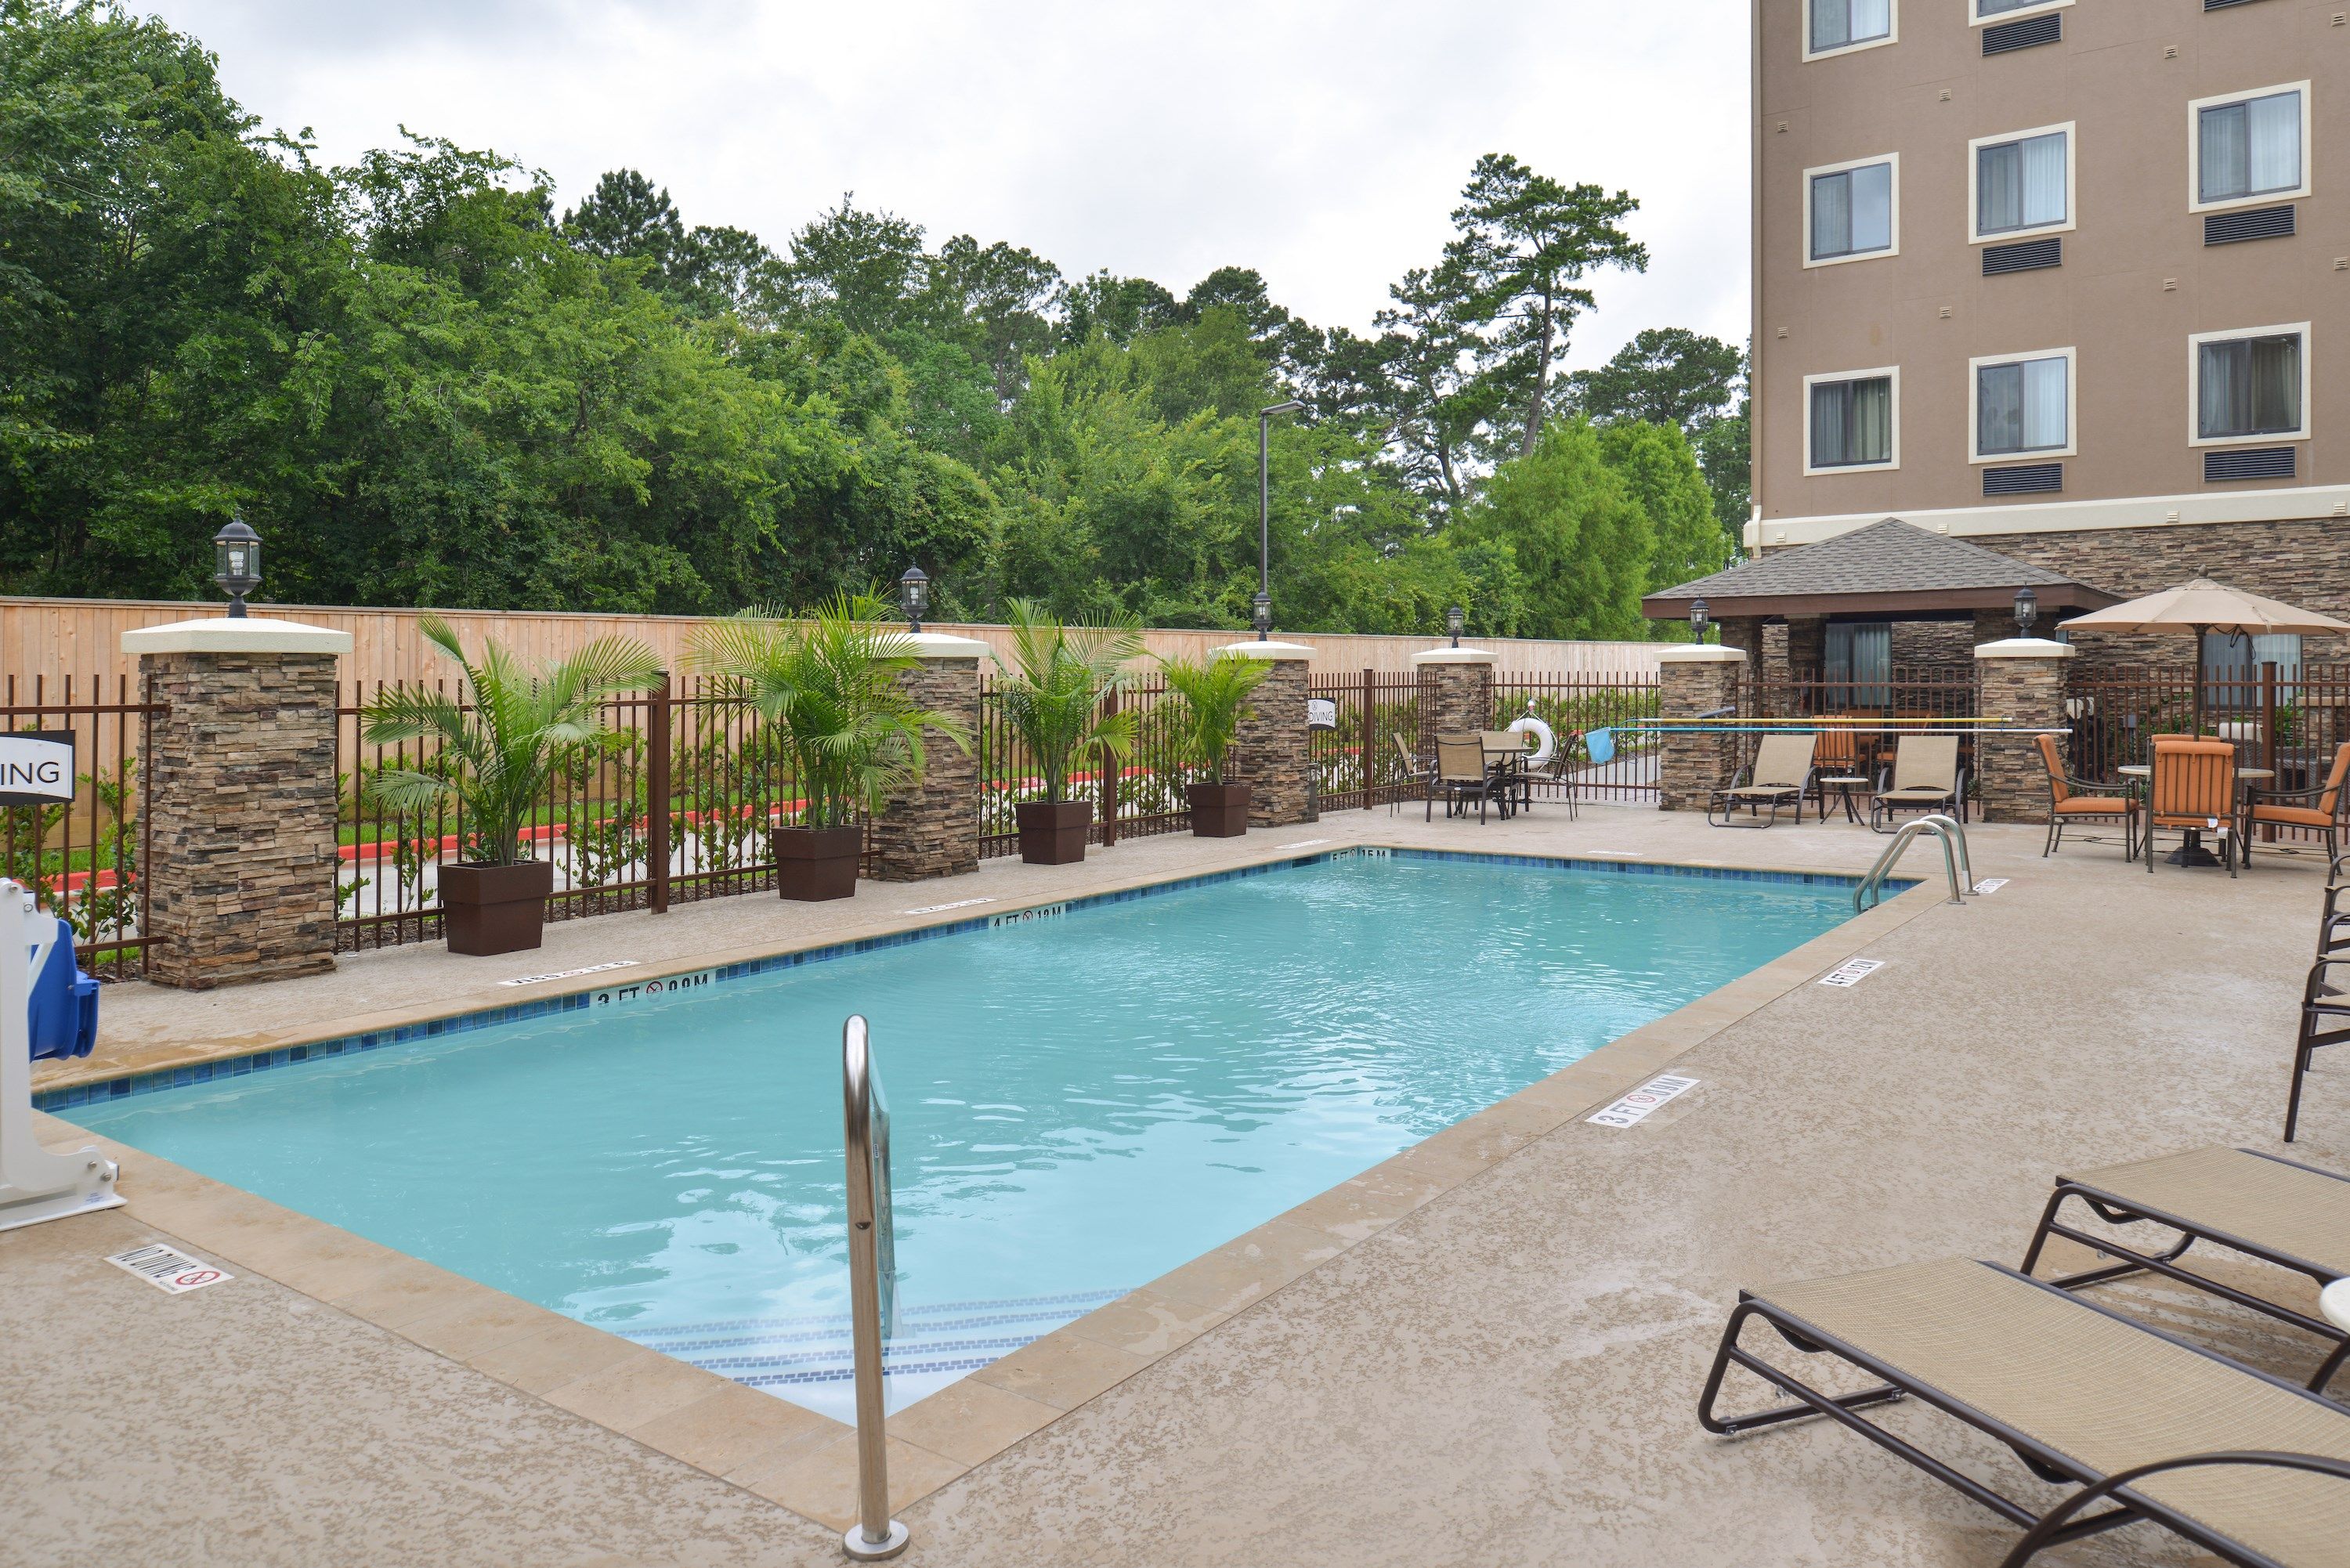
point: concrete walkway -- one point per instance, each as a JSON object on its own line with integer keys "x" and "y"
{"x": 1506, "y": 1375}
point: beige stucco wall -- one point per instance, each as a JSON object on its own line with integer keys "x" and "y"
{"x": 1925, "y": 97}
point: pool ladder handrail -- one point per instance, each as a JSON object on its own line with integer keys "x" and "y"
{"x": 875, "y": 1535}
{"x": 1947, "y": 828}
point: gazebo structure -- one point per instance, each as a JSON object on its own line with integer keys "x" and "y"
{"x": 1853, "y": 610}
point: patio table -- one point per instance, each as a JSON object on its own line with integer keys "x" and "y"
{"x": 2191, "y": 852}
{"x": 1844, "y": 784}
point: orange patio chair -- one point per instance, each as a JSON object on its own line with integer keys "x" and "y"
{"x": 2194, "y": 792}
{"x": 2076, "y": 801}
{"x": 2319, "y": 810}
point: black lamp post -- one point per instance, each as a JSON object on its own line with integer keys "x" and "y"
{"x": 914, "y": 592}
{"x": 236, "y": 564}
{"x": 1454, "y": 620}
{"x": 1698, "y": 615}
{"x": 2027, "y": 610}
{"x": 1261, "y": 613}
{"x": 1264, "y": 513}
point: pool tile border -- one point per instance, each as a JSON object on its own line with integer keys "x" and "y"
{"x": 805, "y": 1462}
{"x": 187, "y": 1075}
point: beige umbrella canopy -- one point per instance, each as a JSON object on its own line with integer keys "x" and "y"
{"x": 2204, "y": 606}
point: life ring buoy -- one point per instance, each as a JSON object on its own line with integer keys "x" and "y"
{"x": 1549, "y": 746}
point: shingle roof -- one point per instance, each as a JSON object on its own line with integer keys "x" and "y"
{"x": 1887, "y": 557}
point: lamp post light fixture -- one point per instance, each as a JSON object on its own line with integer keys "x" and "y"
{"x": 236, "y": 564}
{"x": 1699, "y": 610}
{"x": 1260, "y": 614}
{"x": 914, "y": 592}
{"x": 1265, "y": 512}
{"x": 2027, "y": 610}
{"x": 1455, "y": 620}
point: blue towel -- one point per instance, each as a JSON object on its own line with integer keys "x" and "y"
{"x": 1600, "y": 746}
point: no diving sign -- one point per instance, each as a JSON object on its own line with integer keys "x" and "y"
{"x": 37, "y": 767}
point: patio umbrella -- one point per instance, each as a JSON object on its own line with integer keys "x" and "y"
{"x": 2204, "y": 606}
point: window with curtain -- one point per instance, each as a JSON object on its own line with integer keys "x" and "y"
{"x": 2249, "y": 386}
{"x": 2001, "y": 7}
{"x": 1852, "y": 211}
{"x": 2021, "y": 184}
{"x": 2249, "y": 148}
{"x": 2023, "y": 407}
{"x": 2232, "y": 668}
{"x": 1840, "y": 24}
{"x": 1852, "y": 422}
{"x": 1859, "y": 664}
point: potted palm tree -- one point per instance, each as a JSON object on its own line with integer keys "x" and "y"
{"x": 496, "y": 757}
{"x": 828, "y": 687}
{"x": 1212, "y": 699}
{"x": 1052, "y": 697}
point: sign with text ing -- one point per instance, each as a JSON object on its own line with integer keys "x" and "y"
{"x": 37, "y": 767}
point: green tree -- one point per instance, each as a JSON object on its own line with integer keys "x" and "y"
{"x": 1661, "y": 472}
{"x": 1666, "y": 376}
{"x": 1576, "y": 534}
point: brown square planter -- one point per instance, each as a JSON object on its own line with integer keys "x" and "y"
{"x": 1053, "y": 833}
{"x": 1218, "y": 810}
{"x": 487, "y": 909}
{"x": 813, "y": 863}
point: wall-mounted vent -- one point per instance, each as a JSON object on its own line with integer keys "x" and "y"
{"x": 2254, "y": 224}
{"x": 2025, "y": 34}
{"x": 2029, "y": 256}
{"x": 2248, "y": 463}
{"x": 2223, "y": 4}
{"x": 2033, "y": 479}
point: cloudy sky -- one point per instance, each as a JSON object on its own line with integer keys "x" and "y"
{"x": 1322, "y": 142}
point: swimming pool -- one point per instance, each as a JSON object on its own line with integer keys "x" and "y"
{"x": 1080, "y": 1102}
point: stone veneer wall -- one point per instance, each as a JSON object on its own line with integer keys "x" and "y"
{"x": 1272, "y": 750}
{"x": 1454, "y": 699}
{"x": 2011, "y": 778}
{"x": 1691, "y": 768}
{"x": 241, "y": 864}
{"x": 931, "y": 828}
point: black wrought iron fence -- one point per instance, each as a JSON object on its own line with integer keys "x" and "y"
{"x": 1600, "y": 748}
{"x": 85, "y": 860}
{"x": 1135, "y": 798}
{"x": 1364, "y": 739}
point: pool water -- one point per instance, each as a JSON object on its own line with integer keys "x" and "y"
{"x": 1078, "y": 1103}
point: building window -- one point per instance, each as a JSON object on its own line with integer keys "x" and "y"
{"x": 1858, "y": 665}
{"x": 2023, "y": 183}
{"x": 2249, "y": 386}
{"x": 2023, "y": 406}
{"x": 1839, "y": 25}
{"x": 1852, "y": 420}
{"x": 1998, "y": 10}
{"x": 1852, "y": 210}
{"x": 2232, "y": 668}
{"x": 2251, "y": 147}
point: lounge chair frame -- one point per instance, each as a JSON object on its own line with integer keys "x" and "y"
{"x": 2059, "y": 1524}
{"x": 2114, "y": 1209}
{"x": 2324, "y": 1021}
{"x": 1893, "y": 797}
{"x": 1754, "y": 797}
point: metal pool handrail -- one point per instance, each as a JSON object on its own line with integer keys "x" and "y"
{"x": 875, "y": 1535}
{"x": 1946, "y": 828}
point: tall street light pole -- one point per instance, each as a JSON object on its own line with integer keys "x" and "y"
{"x": 1264, "y": 513}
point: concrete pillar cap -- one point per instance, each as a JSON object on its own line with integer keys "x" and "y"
{"x": 242, "y": 634}
{"x": 1264, "y": 651}
{"x": 941, "y": 645}
{"x": 1701, "y": 653}
{"x": 1455, "y": 656}
{"x": 2024, "y": 648}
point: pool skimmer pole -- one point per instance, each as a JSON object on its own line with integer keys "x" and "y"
{"x": 875, "y": 1535}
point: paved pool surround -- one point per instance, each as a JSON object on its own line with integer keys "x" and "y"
{"x": 1204, "y": 1418}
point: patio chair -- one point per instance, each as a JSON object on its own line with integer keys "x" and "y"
{"x": 1510, "y": 746}
{"x": 2101, "y": 803}
{"x": 1460, "y": 774}
{"x": 2194, "y": 792}
{"x": 2318, "y": 810}
{"x": 1926, "y": 777}
{"x": 1783, "y": 772}
{"x": 1414, "y": 773}
{"x": 2289, "y": 1216}
{"x": 2324, "y": 1021}
{"x": 2140, "y": 1423}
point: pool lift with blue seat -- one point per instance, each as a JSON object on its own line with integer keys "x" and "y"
{"x": 49, "y": 1011}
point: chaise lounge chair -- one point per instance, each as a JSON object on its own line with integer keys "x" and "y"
{"x": 2081, "y": 801}
{"x": 2291, "y": 1216}
{"x": 1782, "y": 772}
{"x": 1926, "y": 777}
{"x": 2142, "y": 1425}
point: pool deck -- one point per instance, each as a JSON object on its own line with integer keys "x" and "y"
{"x": 1488, "y": 1350}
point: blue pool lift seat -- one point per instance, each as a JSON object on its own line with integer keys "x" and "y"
{"x": 65, "y": 1001}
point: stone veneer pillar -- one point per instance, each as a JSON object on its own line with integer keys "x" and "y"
{"x": 1456, "y": 693}
{"x": 1272, "y": 750}
{"x": 1695, "y": 679}
{"x": 930, "y": 828}
{"x": 241, "y": 807}
{"x": 2022, "y": 680}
